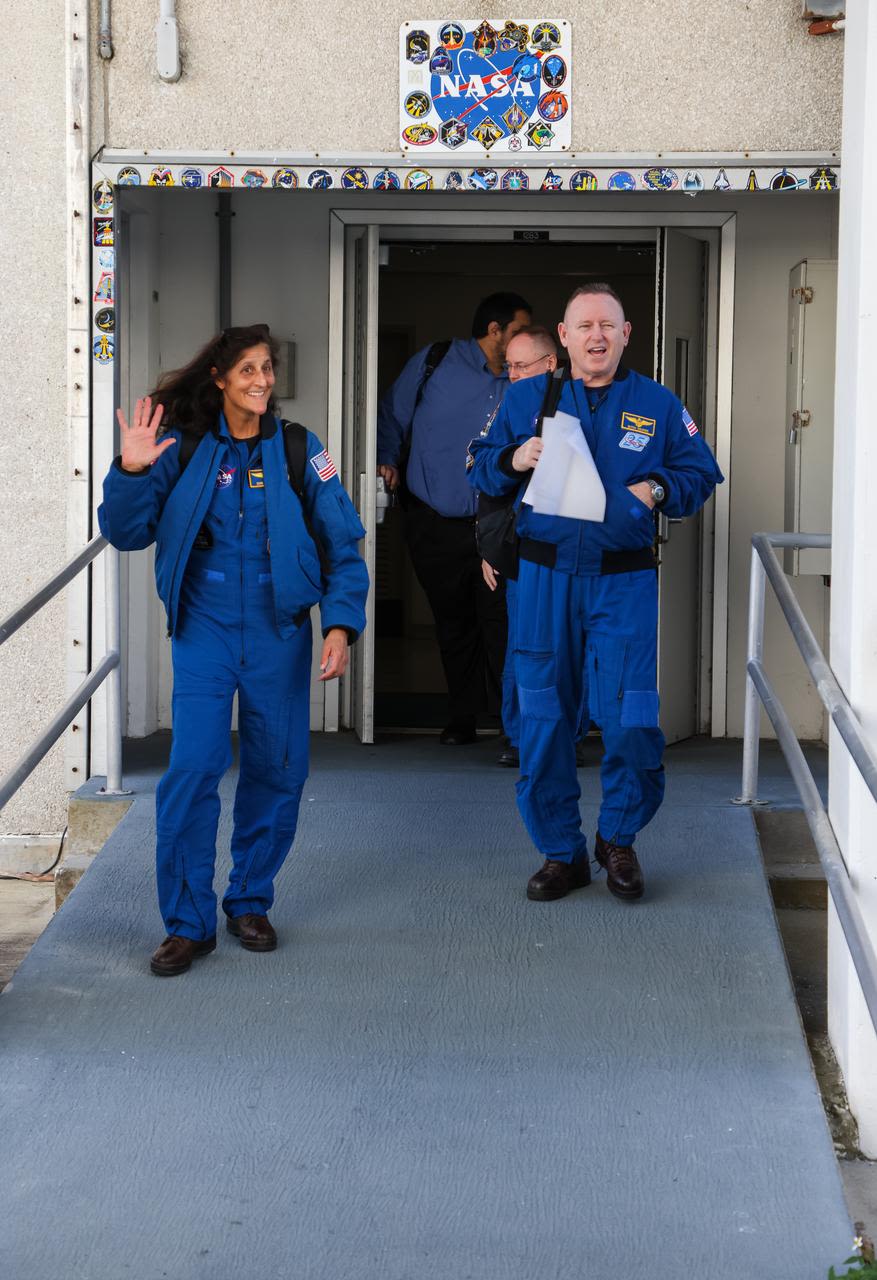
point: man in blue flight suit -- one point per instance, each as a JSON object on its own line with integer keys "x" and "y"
{"x": 437, "y": 413}
{"x": 587, "y": 595}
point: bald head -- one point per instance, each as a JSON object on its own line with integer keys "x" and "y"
{"x": 530, "y": 352}
{"x": 595, "y": 333}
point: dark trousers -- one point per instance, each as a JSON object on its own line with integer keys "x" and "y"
{"x": 470, "y": 619}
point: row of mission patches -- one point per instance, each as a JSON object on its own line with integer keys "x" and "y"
{"x": 822, "y": 178}
{"x": 355, "y": 178}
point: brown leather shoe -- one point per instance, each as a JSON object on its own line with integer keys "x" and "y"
{"x": 176, "y": 954}
{"x": 624, "y": 875}
{"x": 256, "y": 933}
{"x": 557, "y": 879}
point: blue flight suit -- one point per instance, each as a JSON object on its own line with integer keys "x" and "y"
{"x": 238, "y": 571}
{"x": 587, "y": 602}
{"x": 511, "y": 712}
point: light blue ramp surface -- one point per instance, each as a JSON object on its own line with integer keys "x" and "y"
{"x": 432, "y": 1078}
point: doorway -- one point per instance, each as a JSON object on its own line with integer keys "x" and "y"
{"x": 428, "y": 290}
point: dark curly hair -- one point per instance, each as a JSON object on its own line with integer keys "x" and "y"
{"x": 190, "y": 395}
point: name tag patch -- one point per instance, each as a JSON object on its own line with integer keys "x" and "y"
{"x": 256, "y": 478}
{"x": 634, "y": 422}
{"x": 633, "y": 440}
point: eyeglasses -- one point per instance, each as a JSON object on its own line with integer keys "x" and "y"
{"x": 518, "y": 367}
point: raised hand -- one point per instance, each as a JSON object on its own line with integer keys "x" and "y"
{"x": 139, "y": 446}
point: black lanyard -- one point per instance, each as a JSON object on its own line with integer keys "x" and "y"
{"x": 593, "y": 410}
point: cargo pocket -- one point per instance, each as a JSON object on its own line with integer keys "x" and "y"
{"x": 605, "y": 669}
{"x": 536, "y": 675}
{"x": 350, "y": 521}
{"x": 639, "y": 709}
{"x": 310, "y": 567}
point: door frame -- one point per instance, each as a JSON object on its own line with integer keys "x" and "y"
{"x": 719, "y": 230}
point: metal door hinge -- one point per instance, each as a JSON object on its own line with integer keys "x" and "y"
{"x": 800, "y": 419}
{"x": 804, "y": 294}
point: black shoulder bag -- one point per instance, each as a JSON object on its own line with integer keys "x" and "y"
{"x": 495, "y": 524}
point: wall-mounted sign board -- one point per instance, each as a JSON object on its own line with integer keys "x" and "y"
{"x": 485, "y": 86}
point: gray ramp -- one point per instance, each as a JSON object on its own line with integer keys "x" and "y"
{"x": 432, "y": 1079}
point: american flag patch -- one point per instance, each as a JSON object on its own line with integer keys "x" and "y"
{"x": 323, "y": 465}
{"x": 688, "y": 422}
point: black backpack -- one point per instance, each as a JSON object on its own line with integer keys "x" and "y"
{"x": 495, "y": 524}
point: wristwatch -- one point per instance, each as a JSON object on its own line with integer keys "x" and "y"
{"x": 659, "y": 493}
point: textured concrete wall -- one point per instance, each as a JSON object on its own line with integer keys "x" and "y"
{"x": 33, "y": 442}
{"x": 683, "y": 75}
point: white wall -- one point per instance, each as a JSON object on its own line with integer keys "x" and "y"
{"x": 852, "y": 810}
{"x": 772, "y": 237}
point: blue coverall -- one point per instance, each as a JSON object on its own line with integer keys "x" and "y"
{"x": 587, "y": 603}
{"x": 237, "y": 571}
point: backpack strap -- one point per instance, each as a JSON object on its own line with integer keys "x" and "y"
{"x": 295, "y": 446}
{"x": 552, "y": 395}
{"x": 434, "y": 357}
{"x": 189, "y": 441}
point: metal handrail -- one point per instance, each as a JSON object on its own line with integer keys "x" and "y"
{"x": 109, "y": 669}
{"x": 766, "y": 567}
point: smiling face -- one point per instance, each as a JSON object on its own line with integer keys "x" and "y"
{"x": 246, "y": 388}
{"x": 595, "y": 333}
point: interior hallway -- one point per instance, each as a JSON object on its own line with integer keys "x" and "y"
{"x": 432, "y": 1078}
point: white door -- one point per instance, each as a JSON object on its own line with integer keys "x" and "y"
{"x": 360, "y": 409}
{"x": 680, "y": 352}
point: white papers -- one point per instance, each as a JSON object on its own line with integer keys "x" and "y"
{"x": 565, "y": 480}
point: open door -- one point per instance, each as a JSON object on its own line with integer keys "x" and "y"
{"x": 360, "y": 412}
{"x": 680, "y": 357}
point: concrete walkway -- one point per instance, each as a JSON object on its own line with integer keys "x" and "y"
{"x": 432, "y": 1079}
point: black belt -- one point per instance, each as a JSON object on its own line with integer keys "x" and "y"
{"x": 418, "y": 504}
{"x": 545, "y": 553}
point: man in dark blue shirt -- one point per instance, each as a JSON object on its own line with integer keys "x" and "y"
{"x": 434, "y": 416}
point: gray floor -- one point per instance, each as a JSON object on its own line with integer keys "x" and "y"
{"x": 432, "y": 1079}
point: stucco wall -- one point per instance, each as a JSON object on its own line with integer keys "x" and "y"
{"x": 33, "y": 442}
{"x": 683, "y": 75}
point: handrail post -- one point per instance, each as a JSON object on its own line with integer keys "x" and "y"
{"x": 114, "y": 679}
{"x": 752, "y": 706}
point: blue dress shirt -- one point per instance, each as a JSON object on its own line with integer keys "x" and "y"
{"x": 459, "y": 400}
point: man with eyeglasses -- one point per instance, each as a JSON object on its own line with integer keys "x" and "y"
{"x": 532, "y": 351}
{"x": 441, "y": 399}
